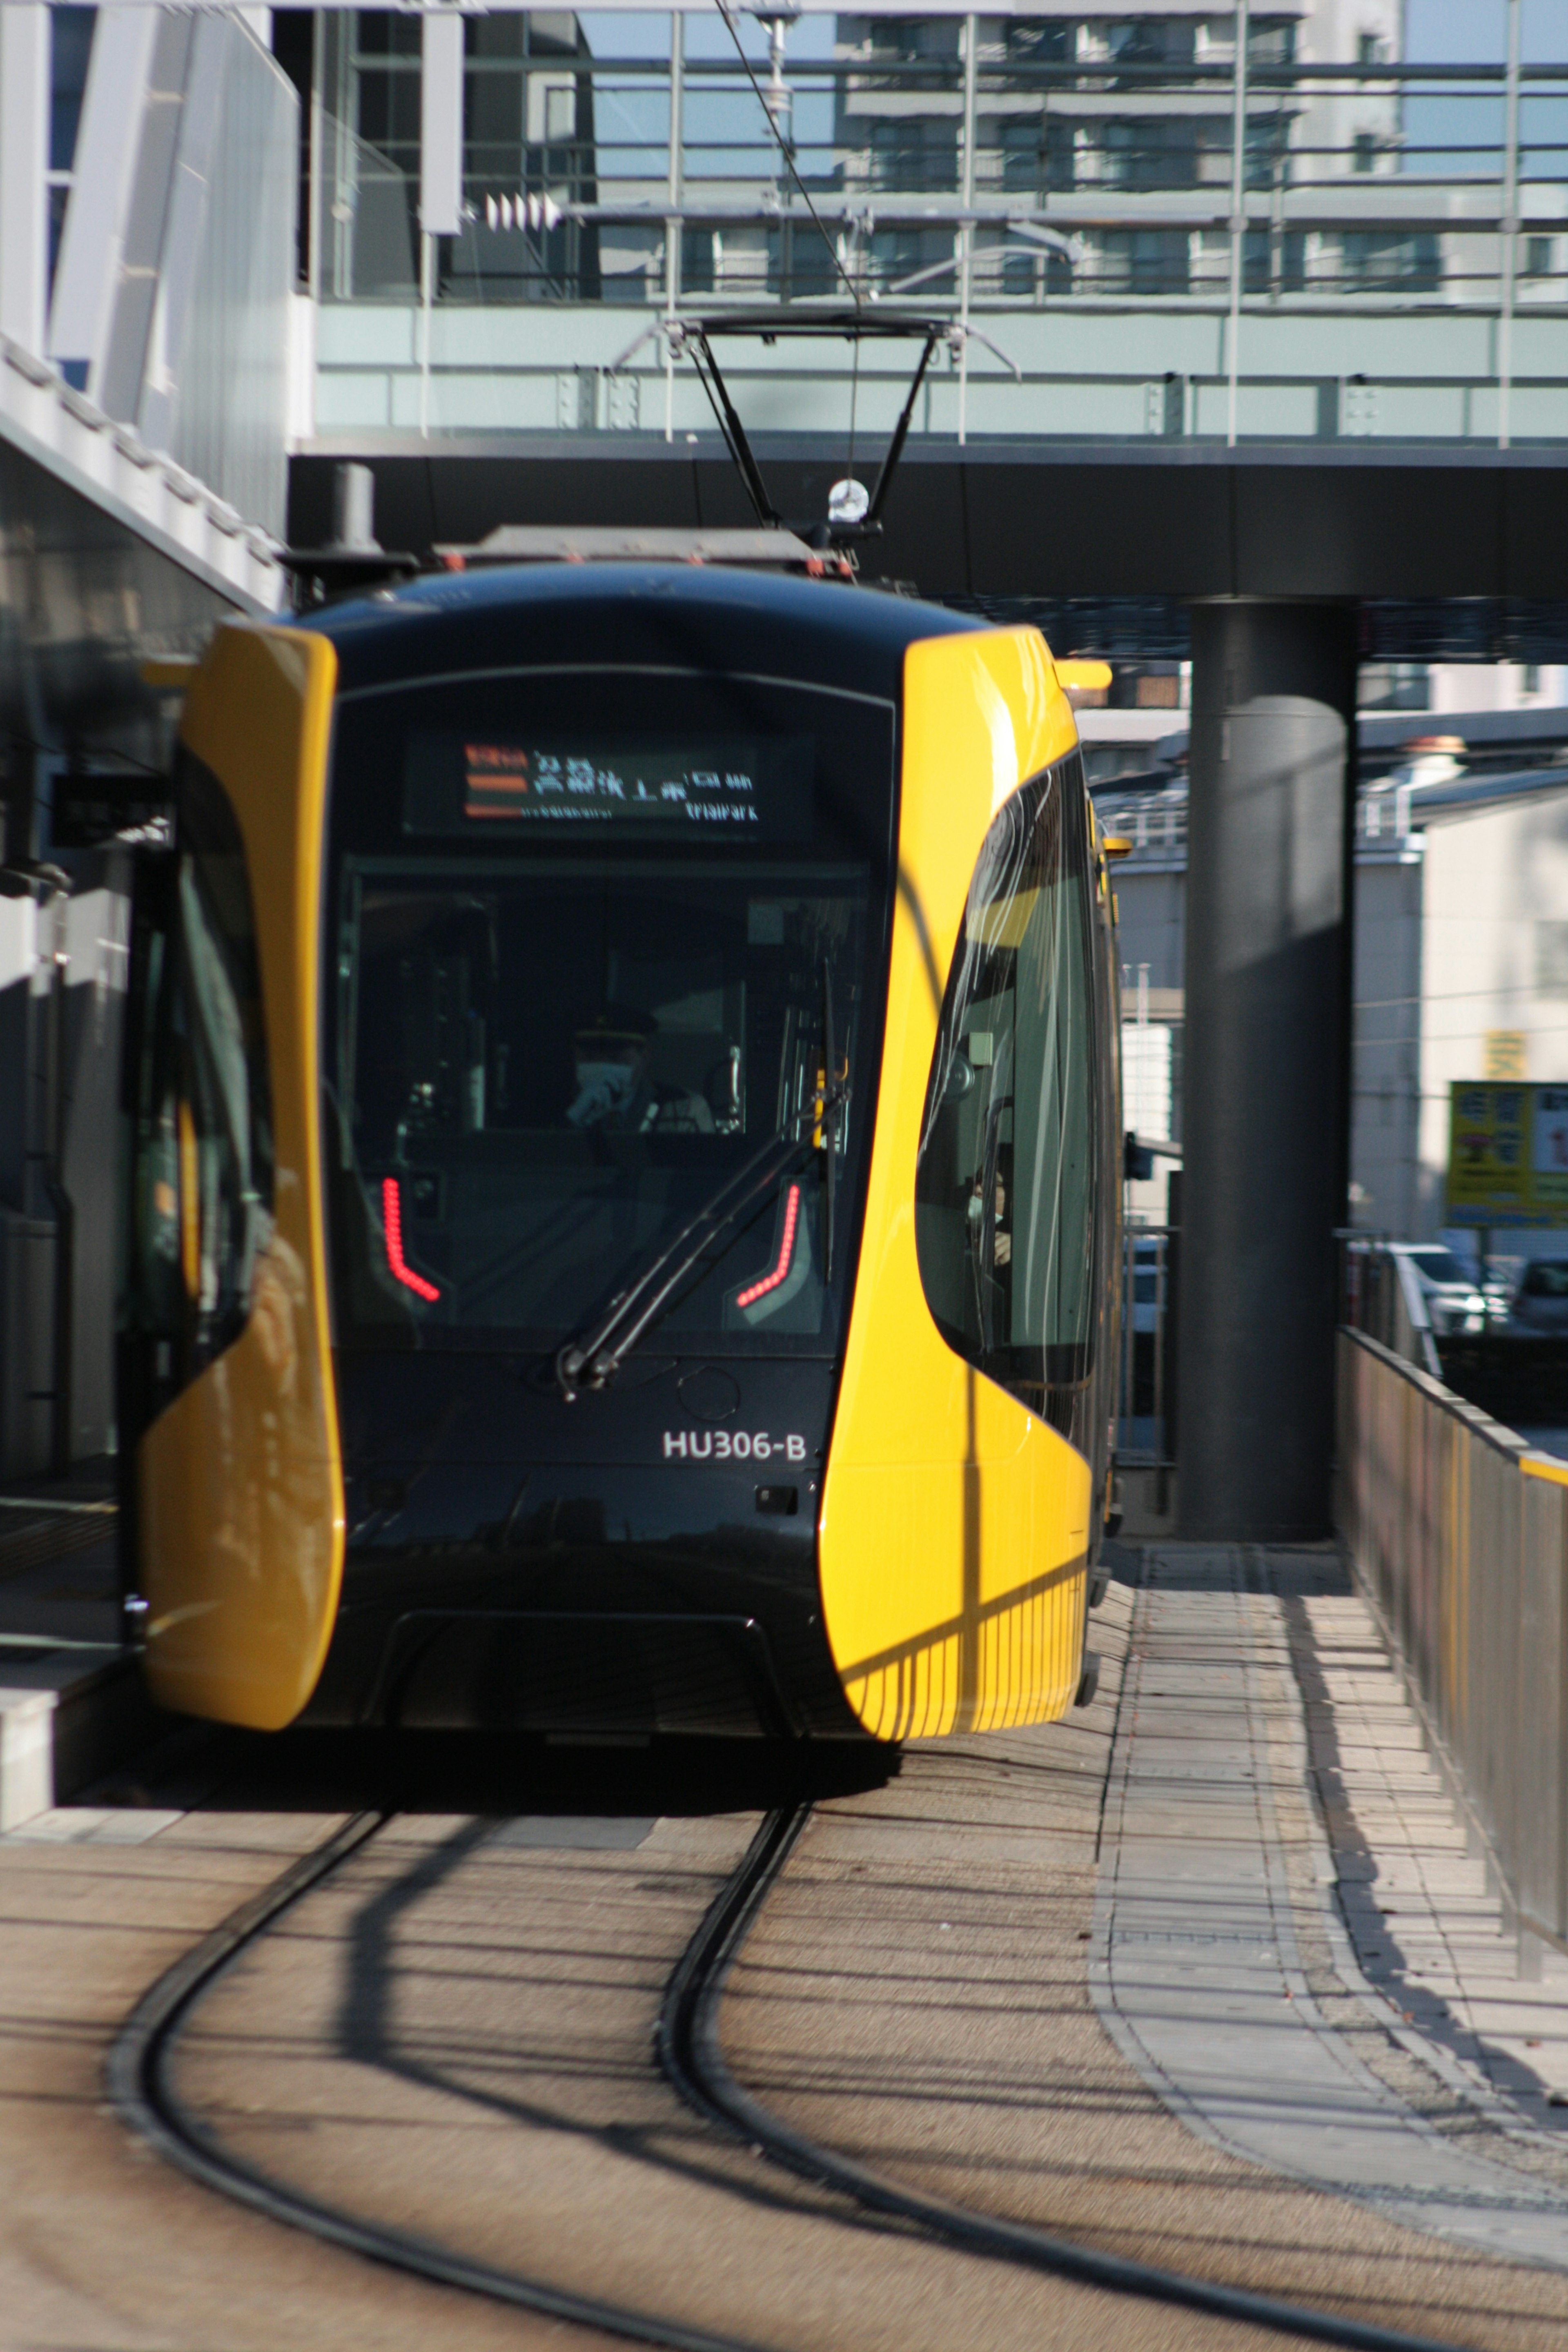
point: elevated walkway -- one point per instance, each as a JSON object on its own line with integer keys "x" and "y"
{"x": 1400, "y": 526}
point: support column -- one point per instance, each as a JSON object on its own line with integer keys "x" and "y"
{"x": 1264, "y": 1110}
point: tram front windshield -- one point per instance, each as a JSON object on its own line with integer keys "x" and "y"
{"x": 588, "y": 937}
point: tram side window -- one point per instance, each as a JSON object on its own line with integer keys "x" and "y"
{"x": 204, "y": 1175}
{"x": 1005, "y": 1187}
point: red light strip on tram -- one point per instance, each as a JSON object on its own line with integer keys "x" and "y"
{"x": 786, "y": 1251}
{"x": 391, "y": 1219}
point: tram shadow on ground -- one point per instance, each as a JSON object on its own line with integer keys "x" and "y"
{"x": 193, "y": 1767}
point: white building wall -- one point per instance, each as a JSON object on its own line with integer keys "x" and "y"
{"x": 1496, "y": 686}
{"x": 1461, "y": 939}
{"x": 1494, "y": 960}
{"x": 1146, "y": 1105}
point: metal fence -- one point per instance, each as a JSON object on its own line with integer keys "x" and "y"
{"x": 1460, "y": 1535}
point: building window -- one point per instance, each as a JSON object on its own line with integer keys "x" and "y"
{"x": 910, "y": 40}
{"x": 1271, "y": 41}
{"x": 896, "y": 255}
{"x": 1363, "y": 151}
{"x": 1020, "y": 144}
{"x": 1146, "y": 261}
{"x": 1374, "y": 260}
{"x": 1029, "y": 40}
{"x": 1153, "y": 41}
{"x": 1146, "y": 153}
{"x": 70, "y": 45}
{"x": 1037, "y": 154}
{"x": 698, "y": 272}
{"x": 914, "y": 156}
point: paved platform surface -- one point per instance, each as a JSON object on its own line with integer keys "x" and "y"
{"x": 455, "y": 2033}
{"x": 942, "y": 2026}
{"x": 71, "y": 1703}
{"x": 1221, "y": 1962}
{"x": 1429, "y": 1930}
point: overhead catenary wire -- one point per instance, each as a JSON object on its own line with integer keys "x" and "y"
{"x": 786, "y": 149}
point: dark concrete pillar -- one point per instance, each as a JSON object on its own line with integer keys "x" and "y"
{"x": 1265, "y": 1108}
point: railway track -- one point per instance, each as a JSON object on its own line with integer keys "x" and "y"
{"x": 142, "y": 2084}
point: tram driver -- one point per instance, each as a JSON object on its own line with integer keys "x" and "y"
{"x": 616, "y": 1090}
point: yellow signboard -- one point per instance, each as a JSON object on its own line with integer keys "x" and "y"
{"x": 1508, "y": 1154}
{"x": 1506, "y": 1053}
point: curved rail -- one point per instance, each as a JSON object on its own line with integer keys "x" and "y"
{"x": 689, "y": 2051}
{"x": 687, "y": 2045}
{"x": 139, "y": 2085}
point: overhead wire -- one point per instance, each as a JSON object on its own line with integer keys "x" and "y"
{"x": 786, "y": 149}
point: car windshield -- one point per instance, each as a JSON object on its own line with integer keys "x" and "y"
{"x": 1547, "y": 1278}
{"x": 556, "y": 1034}
{"x": 1440, "y": 1265}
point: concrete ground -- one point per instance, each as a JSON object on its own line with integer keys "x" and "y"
{"x": 943, "y": 2029}
{"x": 454, "y": 2034}
{"x": 59, "y": 1576}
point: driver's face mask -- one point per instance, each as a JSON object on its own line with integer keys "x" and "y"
{"x": 602, "y": 1087}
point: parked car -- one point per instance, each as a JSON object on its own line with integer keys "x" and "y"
{"x": 1540, "y": 1302}
{"x": 1456, "y": 1301}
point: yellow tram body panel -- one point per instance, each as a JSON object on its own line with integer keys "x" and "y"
{"x": 239, "y": 1479}
{"x": 955, "y": 1528}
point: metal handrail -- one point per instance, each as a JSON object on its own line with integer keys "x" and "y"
{"x": 1458, "y": 1530}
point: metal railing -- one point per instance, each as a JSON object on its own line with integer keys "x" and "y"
{"x": 1381, "y": 1294}
{"x": 942, "y": 156}
{"x": 1189, "y": 245}
{"x": 1459, "y": 1533}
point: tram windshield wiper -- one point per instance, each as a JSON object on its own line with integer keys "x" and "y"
{"x": 592, "y": 1360}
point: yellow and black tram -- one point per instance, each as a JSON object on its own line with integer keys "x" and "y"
{"x": 623, "y": 1166}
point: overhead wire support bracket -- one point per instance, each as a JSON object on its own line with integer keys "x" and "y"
{"x": 694, "y": 337}
{"x": 895, "y": 448}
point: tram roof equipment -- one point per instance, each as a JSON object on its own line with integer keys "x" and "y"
{"x": 354, "y": 562}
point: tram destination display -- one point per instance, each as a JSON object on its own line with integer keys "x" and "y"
{"x": 483, "y": 784}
